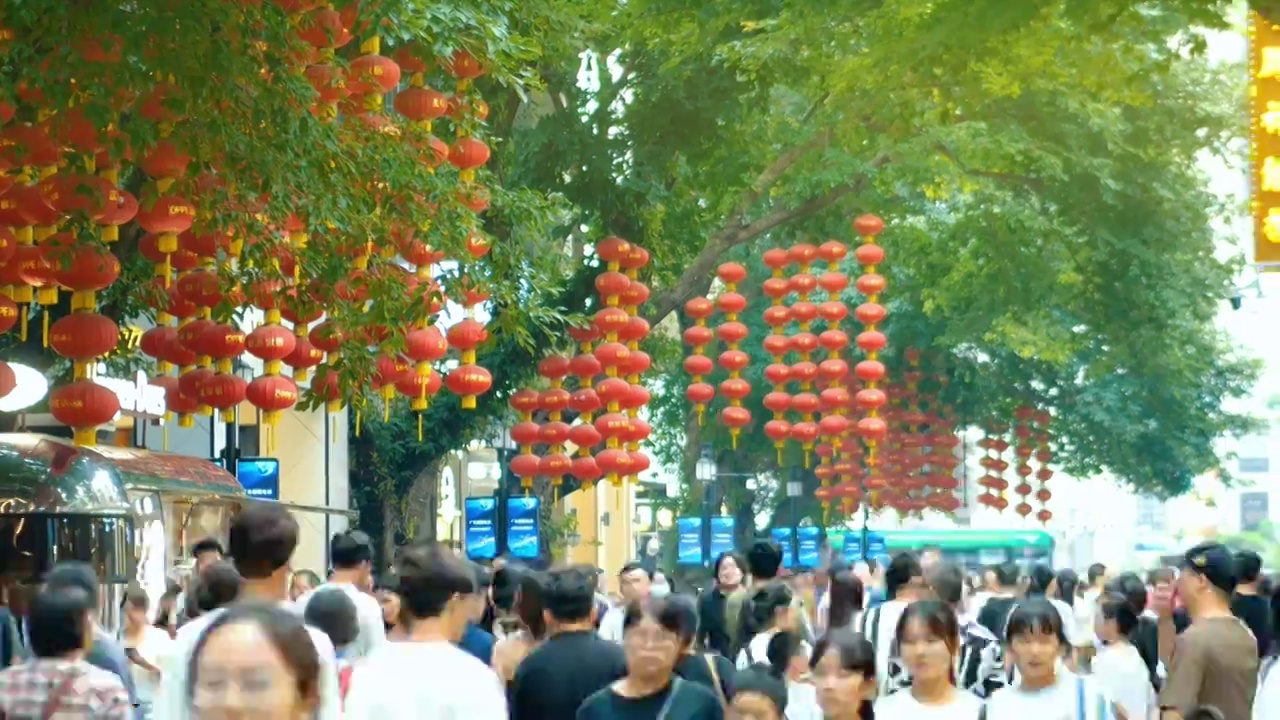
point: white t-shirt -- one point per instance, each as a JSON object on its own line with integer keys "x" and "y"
{"x": 759, "y": 650}
{"x": 611, "y": 624}
{"x": 904, "y": 706}
{"x": 1124, "y": 677}
{"x": 368, "y": 614}
{"x": 1070, "y": 697}
{"x": 154, "y": 648}
{"x": 424, "y": 680}
{"x": 1266, "y": 704}
{"x": 172, "y": 703}
{"x": 1069, "y": 626}
{"x": 802, "y": 702}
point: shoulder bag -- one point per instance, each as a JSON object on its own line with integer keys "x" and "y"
{"x": 715, "y": 679}
{"x": 676, "y": 682}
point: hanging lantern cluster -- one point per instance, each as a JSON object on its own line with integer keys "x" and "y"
{"x": 995, "y": 466}
{"x": 777, "y": 345}
{"x": 804, "y": 343}
{"x": 525, "y": 434}
{"x": 732, "y": 359}
{"x": 639, "y": 362}
{"x": 615, "y": 358}
{"x": 700, "y": 392}
{"x": 554, "y": 433}
{"x": 939, "y": 450}
{"x": 833, "y": 374}
{"x": 870, "y": 371}
{"x": 1023, "y": 449}
{"x": 1043, "y": 456}
{"x": 586, "y": 403}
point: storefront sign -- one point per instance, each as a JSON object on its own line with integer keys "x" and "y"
{"x": 1255, "y": 509}
{"x": 138, "y": 397}
{"x": 782, "y": 536}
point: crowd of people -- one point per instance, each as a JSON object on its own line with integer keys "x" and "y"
{"x": 439, "y": 637}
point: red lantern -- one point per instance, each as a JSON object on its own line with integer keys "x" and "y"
{"x": 223, "y": 392}
{"x": 83, "y": 337}
{"x": 8, "y": 380}
{"x": 272, "y": 394}
{"x": 83, "y": 405}
{"x": 271, "y": 344}
{"x": 468, "y": 381}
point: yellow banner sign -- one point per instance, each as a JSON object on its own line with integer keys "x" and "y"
{"x": 1264, "y": 137}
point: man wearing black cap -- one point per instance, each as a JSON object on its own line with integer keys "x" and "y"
{"x": 1215, "y": 662}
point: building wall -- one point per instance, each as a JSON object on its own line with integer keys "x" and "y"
{"x": 300, "y": 444}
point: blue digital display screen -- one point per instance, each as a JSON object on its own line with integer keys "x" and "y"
{"x": 689, "y": 541}
{"x": 480, "y": 538}
{"x": 522, "y": 527}
{"x": 722, "y": 535}
{"x": 807, "y": 541}
{"x": 260, "y": 477}
{"x": 782, "y": 536}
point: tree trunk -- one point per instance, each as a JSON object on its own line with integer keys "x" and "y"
{"x": 422, "y": 502}
{"x": 388, "y": 533}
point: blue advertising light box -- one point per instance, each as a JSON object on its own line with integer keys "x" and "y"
{"x": 782, "y": 536}
{"x": 260, "y": 477}
{"x": 479, "y": 534}
{"x": 522, "y": 527}
{"x": 722, "y": 535}
{"x": 689, "y": 541}
{"x": 807, "y": 542}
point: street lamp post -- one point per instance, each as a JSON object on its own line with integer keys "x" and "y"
{"x": 505, "y": 448}
{"x": 706, "y": 471}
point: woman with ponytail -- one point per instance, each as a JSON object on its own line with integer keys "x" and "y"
{"x": 843, "y": 669}
{"x": 1119, "y": 666}
{"x": 928, "y": 639}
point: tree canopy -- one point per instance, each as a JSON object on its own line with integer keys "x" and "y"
{"x": 1049, "y": 227}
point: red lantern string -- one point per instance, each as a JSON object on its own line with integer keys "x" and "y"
{"x": 733, "y": 360}
{"x": 525, "y": 433}
{"x": 637, "y": 329}
{"x": 698, "y": 365}
{"x": 586, "y": 402}
{"x": 1043, "y": 455}
{"x": 554, "y": 432}
{"x": 995, "y": 466}
{"x": 870, "y": 371}
{"x": 833, "y": 370}
{"x": 778, "y": 373}
{"x": 804, "y": 343}
{"x": 1024, "y": 448}
{"x": 468, "y": 380}
{"x": 614, "y": 461}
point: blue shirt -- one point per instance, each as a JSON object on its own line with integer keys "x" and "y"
{"x": 477, "y": 642}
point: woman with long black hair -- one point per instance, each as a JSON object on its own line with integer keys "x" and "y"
{"x": 844, "y": 601}
{"x": 1119, "y": 666}
{"x": 843, "y": 668}
{"x": 928, "y": 638}
{"x": 713, "y": 625}
{"x": 1042, "y": 584}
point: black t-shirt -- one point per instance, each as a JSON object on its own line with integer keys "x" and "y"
{"x": 1255, "y": 611}
{"x": 995, "y": 613}
{"x": 694, "y": 668}
{"x": 554, "y": 680}
{"x": 691, "y": 701}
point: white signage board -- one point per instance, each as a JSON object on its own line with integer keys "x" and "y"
{"x": 138, "y": 397}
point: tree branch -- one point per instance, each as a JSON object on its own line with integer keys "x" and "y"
{"x": 698, "y": 274}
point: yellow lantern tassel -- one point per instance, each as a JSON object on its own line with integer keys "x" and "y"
{"x": 419, "y": 427}
{"x": 22, "y": 329}
{"x": 44, "y": 325}
{"x": 333, "y": 429}
{"x": 555, "y": 493}
{"x": 164, "y": 435}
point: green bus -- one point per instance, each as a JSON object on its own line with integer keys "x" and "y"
{"x": 972, "y": 549}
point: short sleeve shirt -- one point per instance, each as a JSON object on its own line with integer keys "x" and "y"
{"x": 1215, "y": 662}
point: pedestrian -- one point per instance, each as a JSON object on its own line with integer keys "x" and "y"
{"x": 147, "y": 647}
{"x": 352, "y": 555}
{"x": 58, "y": 682}
{"x": 758, "y": 694}
{"x": 254, "y": 660}
{"x": 650, "y": 689}
{"x": 261, "y": 541}
{"x": 1119, "y": 666}
{"x": 979, "y": 666}
{"x": 713, "y": 629}
{"x": 1215, "y": 661}
{"x": 770, "y": 610}
{"x": 1249, "y": 603}
{"x": 787, "y": 658}
{"x": 904, "y": 584}
{"x": 928, "y": 639}
{"x": 574, "y": 662}
{"x": 1037, "y": 643}
{"x": 843, "y": 668}
{"x": 528, "y": 608}
{"x": 104, "y": 651}
{"x": 635, "y": 584}
{"x": 205, "y": 552}
{"x": 708, "y": 668}
{"x": 426, "y": 675}
{"x": 475, "y": 639}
